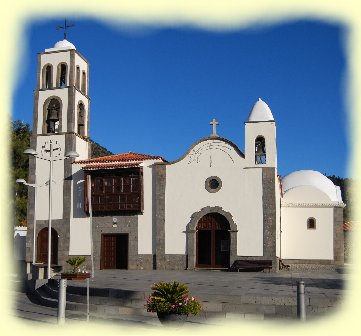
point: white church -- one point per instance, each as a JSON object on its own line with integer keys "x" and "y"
{"x": 211, "y": 207}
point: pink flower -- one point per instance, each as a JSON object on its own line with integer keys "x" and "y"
{"x": 180, "y": 303}
{"x": 192, "y": 298}
{"x": 172, "y": 306}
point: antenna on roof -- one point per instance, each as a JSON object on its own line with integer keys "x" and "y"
{"x": 65, "y": 27}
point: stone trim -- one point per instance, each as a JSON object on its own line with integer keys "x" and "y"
{"x": 125, "y": 225}
{"x": 191, "y": 234}
{"x": 208, "y": 187}
{"x": 338, "y": 237}
{"x": 313, "y": 205}
{"x": 269, "y": 216}
{"x": 159, "y": 184}
{"x": 31, "y": 202}
{"x": 71, "y": 110}
{"x": 36, "y": 112}
{"x": 38, "y": 72}
{"x": 308, "y": 261}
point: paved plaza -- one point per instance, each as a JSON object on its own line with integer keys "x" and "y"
{"x": 220, "y": 292}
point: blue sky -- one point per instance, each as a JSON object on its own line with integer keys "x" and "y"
{"x": 154, "y": 90}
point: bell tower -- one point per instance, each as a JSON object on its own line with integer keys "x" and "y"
{"x": 260, "y": 141}
{"x": 60, "y": 125}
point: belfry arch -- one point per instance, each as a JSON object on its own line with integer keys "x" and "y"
{"x": 192, "y": 256}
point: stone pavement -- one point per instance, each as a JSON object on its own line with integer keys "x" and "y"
{"x": 224, "y": 294}
{"x": 284, "y": 283}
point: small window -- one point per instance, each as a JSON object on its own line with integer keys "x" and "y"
{"x": 260, "y": 150}
{"x": 213, "y": 184}
{"x": 83, "y": 82}
{"x": 47, "y": 77}
{"x": 311, "y": 223}
{"x": 62, "y": 75}
{"x": 77, "y": 81}
{"x": 81, "y": 119}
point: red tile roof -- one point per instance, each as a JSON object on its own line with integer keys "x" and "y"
{"x": 125, "y": 157}
{"x": 111, "y": 165}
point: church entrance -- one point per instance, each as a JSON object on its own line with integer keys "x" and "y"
{"x": 42, "y": 247}
{"x": 213, "y": 241}
{"x": 114, "y": 251}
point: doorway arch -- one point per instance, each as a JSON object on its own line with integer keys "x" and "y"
{"x": 42, "y": 247}
{"x": 191, "y": 232}
{"x": 212, "y": 241}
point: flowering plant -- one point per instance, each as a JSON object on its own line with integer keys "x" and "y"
{"x": 172, "y": 297}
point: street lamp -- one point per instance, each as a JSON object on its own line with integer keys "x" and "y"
{"x": 22, "y": 181}
{"x": 50, "y": 152}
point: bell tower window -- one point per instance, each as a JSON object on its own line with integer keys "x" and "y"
{"x": 53, "y": 116}
{"x": 47, "y": 77}
{"x": 62, "y": 73}
{"x": 81, "y": 119}
{"x": 83, "y": 82}
{"x": 77, "y": 81}
{"x": 260, "y": 150}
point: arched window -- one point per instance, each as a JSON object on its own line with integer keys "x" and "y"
{"x": 62, "y": 75}
{"x": 311, "y": 223}
{"x": 77, "y": 81}
{"x": 83, "y": 82}
{"x": 47, "y": 77}
{"x": 53, "y": 116}
{"x": 260, "y": 150}
{"x": 81, "y": 119}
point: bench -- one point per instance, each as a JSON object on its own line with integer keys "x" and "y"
{"x": 251, "y": 265}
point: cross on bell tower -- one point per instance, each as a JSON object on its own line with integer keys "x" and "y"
{"x": 214, "y": 124}
{"x": 65, "y": 27}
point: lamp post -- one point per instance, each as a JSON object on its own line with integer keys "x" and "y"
{"x": 51, "y": 152}
{"x": 22, "y": 181}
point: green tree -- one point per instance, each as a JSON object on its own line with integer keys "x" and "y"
{"x": 98, "y": 150}
{"x": 20, "y": 163}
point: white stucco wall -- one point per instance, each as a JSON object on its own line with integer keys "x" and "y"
{"x": 240, "y": 195}
{"x": 268, "y": 131}
{"x": 42, "y": 176}
{"x": 298, "y": 242}
{"x": 278, "y": 215}
{"x": 145, "y": 220}
{"x": 80, "y": 237}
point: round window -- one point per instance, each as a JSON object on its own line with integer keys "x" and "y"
{"x": 213, "y": 184}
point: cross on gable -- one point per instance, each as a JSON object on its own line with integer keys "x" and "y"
{"x": 214, "y": 124}
{"x": 65, "y": 27}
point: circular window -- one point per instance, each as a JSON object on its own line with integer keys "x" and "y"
{"x": 213, "y": 184}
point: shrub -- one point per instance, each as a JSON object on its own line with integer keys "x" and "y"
{"x": 172, "y": 297}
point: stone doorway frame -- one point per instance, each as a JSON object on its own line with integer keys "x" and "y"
{"x": 191, "y": 234}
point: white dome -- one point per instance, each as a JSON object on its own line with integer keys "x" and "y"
{"x": 64, "y": 44}
{"x": 260, "y": 112}
{"x": 314, "y": 179}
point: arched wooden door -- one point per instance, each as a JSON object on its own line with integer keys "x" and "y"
{"x": 42, "y": 246}
{"x": 213, "y": 242}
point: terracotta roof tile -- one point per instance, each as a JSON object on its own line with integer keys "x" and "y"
{"x": 125, "y": 157}
{"x": 112, "y": 165}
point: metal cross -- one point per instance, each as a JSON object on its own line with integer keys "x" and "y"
{"x": 65, "y": 27}
{"x": 214, "y": 124}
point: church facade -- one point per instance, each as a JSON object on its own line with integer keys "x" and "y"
{"x": 212, "y": 206}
